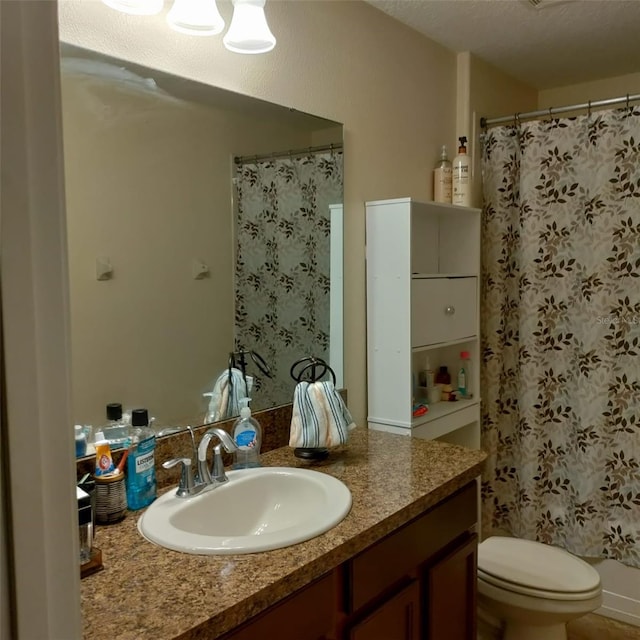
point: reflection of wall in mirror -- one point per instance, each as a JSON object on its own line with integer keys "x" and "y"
{"x": 148, "y": 184}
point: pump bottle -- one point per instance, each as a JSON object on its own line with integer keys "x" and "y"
{"x": 247, "y": 434}
{"x": 442, "y": 175}
{"x": 462, "y": 176}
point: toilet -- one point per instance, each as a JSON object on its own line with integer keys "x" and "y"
{"x": 534, "y": 589}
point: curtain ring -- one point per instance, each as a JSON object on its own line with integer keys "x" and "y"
{"x": 627, "y": 100}
{"x": 589, "y": 109}
{"x": 516, "y": 119}
{"x": 550, "y": 115}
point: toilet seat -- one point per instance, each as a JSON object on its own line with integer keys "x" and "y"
{"x": 536, "y": 570}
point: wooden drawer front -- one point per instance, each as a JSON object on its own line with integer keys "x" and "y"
{"x": 400, "y": 553}
{"x": 442, "y": 310}
{"x": 396, "y": 619}
{"x": 309, "y": 614}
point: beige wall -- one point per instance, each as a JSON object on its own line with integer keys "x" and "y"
{"x": 148, "y": 185}
{"x": 598, "y": 90}
{"x": 393, "y": 90}
{"x": 486, "y": 92}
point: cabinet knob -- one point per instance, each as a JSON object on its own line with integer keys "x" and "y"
{"x": 450, "y": 310}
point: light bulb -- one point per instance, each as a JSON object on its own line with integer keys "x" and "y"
{"x": 136, "y": 7}
{"x": 195, "y": 17}
{"x": 249, "y": 31}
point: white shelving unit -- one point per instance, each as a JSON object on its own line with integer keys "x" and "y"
{"x": 423, "y": 280}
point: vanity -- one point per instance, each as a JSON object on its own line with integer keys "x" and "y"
{"x": 402, "y": 564}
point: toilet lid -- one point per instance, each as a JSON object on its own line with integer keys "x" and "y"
{"x": 537, "y": 566}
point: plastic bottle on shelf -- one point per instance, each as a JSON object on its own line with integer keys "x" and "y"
{"x": 461, "y": 177}
{"x": 443, "y": 376}
{"x": 426, "y": 377}
{"x": 442, "y": 174}
{"x": 464, "y": 375}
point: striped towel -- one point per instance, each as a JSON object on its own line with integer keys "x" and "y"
{"x": 320, "y": 417}
{"x": 225, "y": 398}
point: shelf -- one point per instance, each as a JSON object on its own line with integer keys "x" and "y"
{"x": 440, "y": 345}
{"x": 419, "y": 276}
{"x": 435, "y": 207}
{"x": 441, "y": 409}
{"x": 423, "y": 279}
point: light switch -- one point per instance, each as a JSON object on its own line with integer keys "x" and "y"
{"x": 104, "y": 269}
{"x": 199, "y": 269}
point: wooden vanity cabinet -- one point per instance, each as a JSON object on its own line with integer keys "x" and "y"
{"x": 397, "y": 618}
{"x": 450, "y": 597}
{"x": 308, "y": 614}
{"x": 433, "y": 559}
{"x": 417, "y": 583}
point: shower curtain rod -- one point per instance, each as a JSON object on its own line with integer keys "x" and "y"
{"x": 485, "y": 122}
{"x": 288, "y": 154}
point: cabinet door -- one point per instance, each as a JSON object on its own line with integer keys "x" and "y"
{"x": 451, "y": 594}
{"x": 309, "y": 614}
{"x": 396, "y": 619}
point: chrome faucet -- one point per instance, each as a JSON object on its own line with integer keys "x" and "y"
{"x": 217, "y": 475}
{"x": 193, "y": 483}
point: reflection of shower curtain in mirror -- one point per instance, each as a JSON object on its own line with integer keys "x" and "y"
{"x": 282, "y": 263}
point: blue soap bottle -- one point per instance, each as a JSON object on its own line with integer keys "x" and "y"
{"x": 247, "y": 434}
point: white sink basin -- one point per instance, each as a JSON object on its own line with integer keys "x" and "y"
{"x": 256, "y": 510}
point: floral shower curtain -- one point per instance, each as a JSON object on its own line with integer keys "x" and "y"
{"x": 561, "y": 332}
{"x": 283, "y": 263}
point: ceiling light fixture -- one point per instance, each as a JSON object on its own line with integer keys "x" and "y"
{"x": 248, "y": 31}
{"x": 196, "y": 17}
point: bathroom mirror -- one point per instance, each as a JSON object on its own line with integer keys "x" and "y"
{"x": 169, "y": 186}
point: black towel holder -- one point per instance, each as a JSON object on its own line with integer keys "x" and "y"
{"x": 241, "y": 364}
{"x": 311, "y": 369}
{"x": 310, "y": 366}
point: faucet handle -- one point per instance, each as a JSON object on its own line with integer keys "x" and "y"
{"x": 186, "y": 486}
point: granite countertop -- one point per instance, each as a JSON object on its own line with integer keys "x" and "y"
{"x": 146, "y": 592}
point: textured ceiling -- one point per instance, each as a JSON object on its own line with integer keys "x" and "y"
{"x": 560, "y": 42}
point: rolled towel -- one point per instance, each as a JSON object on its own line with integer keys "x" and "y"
{"x": 320, "y": 417}
{"x": 225, "y": 398}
